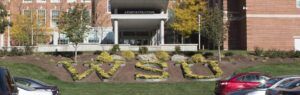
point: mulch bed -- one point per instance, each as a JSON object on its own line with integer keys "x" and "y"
{"x": 126, "y": 74}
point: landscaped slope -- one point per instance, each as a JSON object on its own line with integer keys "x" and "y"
{"x": 68, "y": 88}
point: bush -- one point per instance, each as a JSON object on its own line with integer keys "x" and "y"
{"x": 198, "y": 58}
{"x": 143, "y": 50}
{"x": 177, "y": 49}
{"x": 296, "y": 54}
{"x": 97, "y": 52}
{"x": 276, "y": 53}
{"x": 16, "y": 52}
{"x": 105, "y": 57}
{"x": 28, "y": 50}
{"x": 208, "y": 54}
{"x": 258, "y": 51}
{"x": 115, "y": 49}
{"x": 162, "y": 55}
{"x": 228, "y": 53}
{"x": 128, "y": 55}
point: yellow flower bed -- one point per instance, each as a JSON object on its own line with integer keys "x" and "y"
{"x": 94, "y": 67}
{"x": 162, "y": 55}
{"x": 128, "y": 55}
{"x": 198, "y": 58}
{"x": 213, "y": 65}
{"x": 163, "y": 73}
{"x": 105, "y": 57}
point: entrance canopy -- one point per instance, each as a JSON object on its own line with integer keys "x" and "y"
{"x": 140, "y": 4}
{"x": 133, "y": 22}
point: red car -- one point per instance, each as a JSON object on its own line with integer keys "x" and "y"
{"x": 240, "y": 81}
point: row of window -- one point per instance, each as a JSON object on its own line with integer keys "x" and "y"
{"x": 298, "y": 3}
{"x": 41, "y": 16}
{"x": 56, "y": 1}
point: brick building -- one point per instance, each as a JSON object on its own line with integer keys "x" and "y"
{"x": 48, "y": 12}
{"x": 267, "y": 24}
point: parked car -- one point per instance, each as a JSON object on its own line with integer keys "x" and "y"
{"x": 240, "y": 81}
{"x": 289, "y": 88}
{"x": 26, "y": 90}
{"x": 7, "y": 83}
{"x": 271, "y": 83}
{"x": 38, "y": 85}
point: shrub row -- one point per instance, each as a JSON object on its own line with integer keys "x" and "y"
{"x": 144, "y": 76}
{"x": 273, "y": 53}
{"x": 213, "y": 65}
{"x": 128, "y": 55}
{"x": 76, "y": 76}
{"x": 163, "y": 75}
{"x": 105, "y": 57}
{"x": 142, "y": 66}
{"x": 16, "y": 51}
{"x": 188, "y": 72}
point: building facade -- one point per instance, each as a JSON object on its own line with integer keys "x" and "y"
{"x": 267, "y": 24}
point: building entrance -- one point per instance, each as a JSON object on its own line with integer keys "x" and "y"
{"x": 135, "y": 38}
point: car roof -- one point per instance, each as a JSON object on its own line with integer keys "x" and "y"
{"x": 33, "y": 80}
{"x": 246, "y": 73}
{"x": 287, "y": 76}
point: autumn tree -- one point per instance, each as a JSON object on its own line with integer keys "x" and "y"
{"x": 75, "y": 24}
{"x": 186, "y": 16}
{"x": 21, "y": 30}
{"x": 39, "y": 27}
{"x": 3, "y": 23}
{"x": 214, "y": 27}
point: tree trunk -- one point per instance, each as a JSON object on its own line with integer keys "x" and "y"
{"x": 75, "y": 57}
{"x": 182, "y": 39}
{"x": 219, "y": 52}
{"x": 174, "y": 38}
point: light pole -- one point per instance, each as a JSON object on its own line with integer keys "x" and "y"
{"x": 199, "y": 32}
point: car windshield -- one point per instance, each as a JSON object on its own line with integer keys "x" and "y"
{"x": 269, "y": 83}
{"x": 40, "y": 82}
{"x": 21, "y": 86}
{"x": 290, "y": 85}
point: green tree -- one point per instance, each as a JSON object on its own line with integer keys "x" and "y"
{"x": 214, "y": 27}
{"x": 75, "y": 24}
{"x": 186, "y": 14}
{"x": 3, "y": 22}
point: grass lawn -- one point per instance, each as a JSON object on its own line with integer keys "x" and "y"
{"x": 68, "y": 88}
{"x": 275, "y": 69}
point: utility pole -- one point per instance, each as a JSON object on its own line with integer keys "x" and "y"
{"x": 199, "y": 32}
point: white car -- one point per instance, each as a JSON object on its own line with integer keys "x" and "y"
{"x": 26, "y": 90}
{"x": 271, "y": 83}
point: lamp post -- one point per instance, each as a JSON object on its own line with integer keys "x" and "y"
{"x": 199, "y": 32}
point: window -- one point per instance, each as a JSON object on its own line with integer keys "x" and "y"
{"x": 108, "y": 6}
{"x": 85, "y": 1}
{"x": 63, "y": 39}
{"x": 27, "y": 1}
{"x": 41, "y": 17}
{"x": 71, "y": 1}
{"x": 93, "y": 37}
{"x": 27, "y": 13}
{"x": 41, "y": 1}
{"x": 55, "y": 1}
{"x": 54, "y": 18}
{"x": 249, "y": 78}
{"x": 298, "y": 3}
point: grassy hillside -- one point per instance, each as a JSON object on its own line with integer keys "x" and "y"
{"x": 191, "y": 88}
